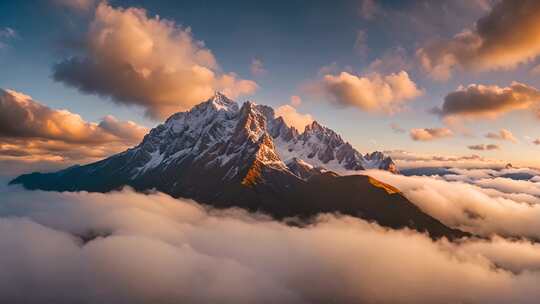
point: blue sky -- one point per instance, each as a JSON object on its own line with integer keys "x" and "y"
{"x": 294, "y": 40}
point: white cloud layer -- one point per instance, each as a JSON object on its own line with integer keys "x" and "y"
{"x": 160, "y": 250}
{"x": 482, "y": 204}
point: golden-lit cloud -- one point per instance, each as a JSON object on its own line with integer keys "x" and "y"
{"x": 23, "y": 117}
{"x": 30, "y": 150}
{"x": 503, "y": 134}
{"x": 30, "y": 130}
{"x": 488, "y": 101}
{"x": 295, "y": 101}
{"x": 196, "y": 255}
{"x": 149, "y": 62}
{"x": 475, "y": 200}
{"x": 293, "y": 118}
{"x": 429, "y": 134}
{"x": 372, "y": 93}
{"x": 504, "y": 38}
{"x": 484, "y": 147}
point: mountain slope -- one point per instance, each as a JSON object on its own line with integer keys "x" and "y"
{"x": 226, "y": 156}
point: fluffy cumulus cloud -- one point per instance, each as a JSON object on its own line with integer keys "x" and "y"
{"x": 373, "y": 92}
{"x": 484, "y": 147}
{"x": 21, "y": 116}
{"x": 488, "y": 101}
{"x": 428, "y": 134}
{"x": 149, "y": 62}
{"x": 29, "y": 129}
{"x": 503, "y": 134}
{"x": 293, "y": 118}
{"x": 105, "y": 248}
{"x": 507, "y": 36}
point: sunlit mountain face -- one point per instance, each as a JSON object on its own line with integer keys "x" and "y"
{"x": 364, "y": 151}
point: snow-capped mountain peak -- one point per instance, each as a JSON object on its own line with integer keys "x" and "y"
{"x": 219, "y": 120}
{"x": 219, "y": 133}
{"x": 222, "y": 102}
{"x": 322, "y": 147}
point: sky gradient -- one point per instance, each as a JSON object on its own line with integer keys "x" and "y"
{"x": 442, "y": 78}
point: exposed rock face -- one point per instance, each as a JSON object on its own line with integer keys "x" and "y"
{"x": 223, "y": 155}
{"x": 377, "y": 160}
{"x": 302, "y": 169}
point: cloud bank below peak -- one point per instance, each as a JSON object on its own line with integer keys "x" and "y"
{"x": 196, "y": 255}
{"x": 148, "y": 62}
{"x": 481, "y": 201}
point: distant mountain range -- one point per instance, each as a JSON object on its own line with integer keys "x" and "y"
{"x": 224, "y": 155}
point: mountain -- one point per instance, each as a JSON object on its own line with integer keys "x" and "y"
{"x": 229, "y": 156}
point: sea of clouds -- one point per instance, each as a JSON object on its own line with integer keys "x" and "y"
{"x": 128, "y": 247}
{"x": 481, "y": 201}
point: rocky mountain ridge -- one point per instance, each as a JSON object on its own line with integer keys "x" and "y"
{"x": 224, "y": 155}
